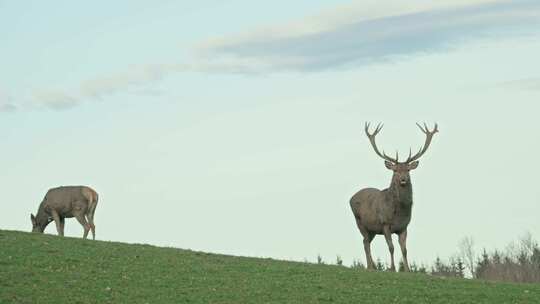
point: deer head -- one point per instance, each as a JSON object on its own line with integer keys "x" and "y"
{"x": 401, "y": 170}
{"x": 37, "y": 225}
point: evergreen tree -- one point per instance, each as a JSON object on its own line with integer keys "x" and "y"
{"x": 379, "y": 265}
{"x": 413, "y": 267}
{"x": 319, "y": 259}
{"x": 358, "y": 265}
{"x": 339, "y": 261}
{"x": 437, "y": 267}
{"x": 482, "y": 265}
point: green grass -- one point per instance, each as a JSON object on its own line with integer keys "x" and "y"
{"x": 37, "y": 268}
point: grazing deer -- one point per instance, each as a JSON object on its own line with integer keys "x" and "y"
{"x": 65, "y": 202}
{"x": 388, "y": 211}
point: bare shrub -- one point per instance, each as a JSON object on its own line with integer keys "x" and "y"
{"x": 520, "y": 263}
{"x": 467, "y": 254}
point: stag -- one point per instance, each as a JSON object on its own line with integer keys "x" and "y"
{"x": 388, "y": 211}
{"x": 66, "y": 202}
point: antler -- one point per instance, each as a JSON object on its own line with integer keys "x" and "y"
{"x": 374, "y": 145}
{"x": 429, "y": 136}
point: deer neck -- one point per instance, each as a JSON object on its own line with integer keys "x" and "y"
{"x": 42, "y": 218}
{"x": 401, "y": 195}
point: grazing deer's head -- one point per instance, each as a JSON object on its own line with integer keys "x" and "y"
{"x": 35, "y": 226}
{"x": 38, "y": 224}
{"x": 401, "y": 170}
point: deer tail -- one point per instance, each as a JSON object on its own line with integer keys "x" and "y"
{"x": 93, "y": 203}
{"x": 92, "y": 197}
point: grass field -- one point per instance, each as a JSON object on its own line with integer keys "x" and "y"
{"x": 36, "y": 268}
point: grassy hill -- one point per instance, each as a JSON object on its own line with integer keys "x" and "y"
{"x": 38, "y": 268}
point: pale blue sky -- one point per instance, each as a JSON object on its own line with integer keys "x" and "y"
{"x": 238, "y": 127}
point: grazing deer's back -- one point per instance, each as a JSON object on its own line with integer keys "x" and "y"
{"x": 90, "y": 193}
{"x": 70, "y": 194}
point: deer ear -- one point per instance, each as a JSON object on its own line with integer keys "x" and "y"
{"x": 389, "y": 165}
{"x": 32, "y": 218}
{"x": 413, "y": 165}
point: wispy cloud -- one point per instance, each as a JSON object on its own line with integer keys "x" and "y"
{"x": 7, "y": 107}
{"x": 363, "y": 33}
{"x": 522, "y": 84}
{"x": 5, "y": 103}
{"x": 56, "y": 100}
{"x": 370, "y": 40}
{"x": 133, "y": 77}
{"x": 101, "y": 87}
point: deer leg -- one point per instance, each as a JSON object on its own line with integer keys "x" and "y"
{"x": 84, "y": 223}
{"x": 57, "y": 220}
{"x": 367, "y": 249}
{"x": 92, "y": 203}
{"x": 62, "y": 222}
{"x": 388, "y": 237}
{"x": 92, "y": 226}
{"x": 403, "y": 245}
{"x": 368, "y": 237}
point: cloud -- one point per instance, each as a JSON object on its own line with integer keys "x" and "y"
{"x": 529, "y": 84}
{"x": 6, "y": 105}
{"x": 133, "y": 77}
{"x": 100, "y": 87}
{"x": 53, "y": 99}
{"x": 343, "y": 15}
{"x": 360, "y": 40}
{"x": 348, "y": 36}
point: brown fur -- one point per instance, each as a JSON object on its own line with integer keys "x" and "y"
{"x": 66, "y": 202}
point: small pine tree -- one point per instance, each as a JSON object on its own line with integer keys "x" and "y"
{"x": 413, "y": 267}
{"x": 482, "y": 264}
{"x": 339, "y": 261}
{"x": 379, "y": 265}
{"x": 401, "y": 267}
{"x": 357, "y": 265}
{"x": 437, "y": 267}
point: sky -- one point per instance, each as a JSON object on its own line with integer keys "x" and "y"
{"x": 237, "y": 127}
